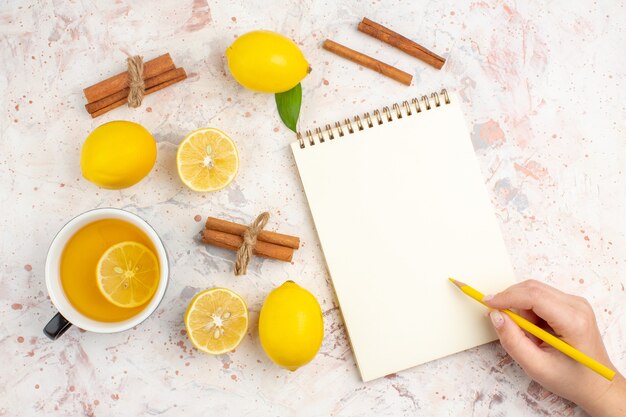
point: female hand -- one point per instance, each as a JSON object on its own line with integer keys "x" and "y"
{"x": 571, "y": 318}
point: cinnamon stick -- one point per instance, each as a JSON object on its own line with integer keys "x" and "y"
{"x": 118, "y": 82}
{"x": 368, "y": 62}
{"x": 412, "y": 48}
{"x": 225, "y": 226}
{"x": 154, "y": 89}
{"x": 123, "y": 94}
{"x": 234, "y": 242}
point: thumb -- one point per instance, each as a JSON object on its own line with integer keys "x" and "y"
{"x": 513, "y": 339}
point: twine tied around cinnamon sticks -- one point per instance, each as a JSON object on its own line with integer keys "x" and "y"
{"x": 244, "y": 254}
{"x": 135, "y": 81}
{"x": 131, "y": 86}
{"x": 249, "y": 240}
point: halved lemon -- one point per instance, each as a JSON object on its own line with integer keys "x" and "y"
{"x": 216, "y": 320}
{"x": 207, "y": 160}
{"x": 128, "y": 274}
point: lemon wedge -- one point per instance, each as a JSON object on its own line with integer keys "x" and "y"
{"x": 216, "y": 320}
{"x": 128, "y": 274}
{"x": 207, "y": 160}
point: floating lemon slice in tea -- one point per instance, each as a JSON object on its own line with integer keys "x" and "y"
{"x": 128, "y": 274}
{"x": 216, "y": 320}
{"x": 207, "y": 160}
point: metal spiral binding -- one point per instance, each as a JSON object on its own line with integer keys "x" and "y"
{"x": 377, "y": 117}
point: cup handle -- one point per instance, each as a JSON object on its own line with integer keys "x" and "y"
{"x": 56, "y": 326}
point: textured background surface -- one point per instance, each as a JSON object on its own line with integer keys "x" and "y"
{"x": 543, "y": 86}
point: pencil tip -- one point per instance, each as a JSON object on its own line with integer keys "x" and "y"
{"x": 457, "y": 283}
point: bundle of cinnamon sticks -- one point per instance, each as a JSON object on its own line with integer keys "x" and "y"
{"x": 229, "y": 235}
{"x": 113, "y": 92}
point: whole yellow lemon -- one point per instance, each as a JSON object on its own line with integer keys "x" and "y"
{"x": 118, "y": 154}
{"x": 266, "y": 61}
{"x": 291, "y": 327}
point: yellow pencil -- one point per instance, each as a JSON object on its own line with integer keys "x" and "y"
{"x": 538, "y": 332}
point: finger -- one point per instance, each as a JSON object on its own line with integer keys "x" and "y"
{"x": 524, "y": 295}
{"x": 546, "y": 302}
{"x": 529, "y": 315}
{"x": 534, "y": 319}
{"x": 513, "y": 339}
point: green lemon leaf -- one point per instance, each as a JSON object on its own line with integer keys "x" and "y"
{"x": 288, "y": 104}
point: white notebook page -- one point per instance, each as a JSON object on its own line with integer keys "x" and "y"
{"x": 398, "y": 209}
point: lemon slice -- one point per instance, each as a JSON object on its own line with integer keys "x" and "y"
{"x": 128, "y": 274}
{"x": 207, "y": 160}
{"x": 216, "y": 320}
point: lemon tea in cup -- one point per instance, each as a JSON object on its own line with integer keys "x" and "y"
{"x": 106, "y": 271}
{"x": 131, "y": 271}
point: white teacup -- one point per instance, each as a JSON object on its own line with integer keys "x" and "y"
{"x": 69, "y": 315}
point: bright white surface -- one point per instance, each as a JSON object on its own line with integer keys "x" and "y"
{"x": 399, "y": 208}
{"x": 541, "y": 86}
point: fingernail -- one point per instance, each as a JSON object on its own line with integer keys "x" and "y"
{"x": 487, "y": 297}
{"x": 496, "y": 318}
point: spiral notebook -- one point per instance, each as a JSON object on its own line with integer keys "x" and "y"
{"x": 399, "y": 204}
